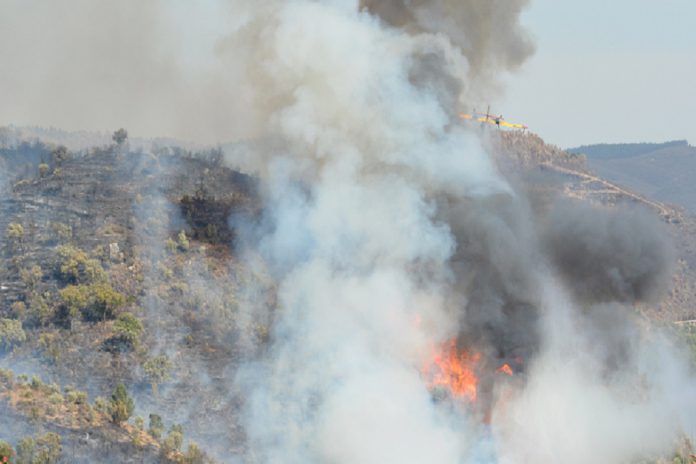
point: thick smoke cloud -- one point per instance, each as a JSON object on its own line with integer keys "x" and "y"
{"x": 496, "y": 249}
{"x": 607, "y": 255}
{"x": 388, "y": 229}
{"x": 488, "y": 33}
{"x": 172, "y": 69}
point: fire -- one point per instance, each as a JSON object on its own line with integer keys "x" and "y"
{"x": 505, "y": 369}
{"x": 455, "y": 371}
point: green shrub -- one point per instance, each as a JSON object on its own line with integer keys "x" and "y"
{"x": 128, "y": 328}
{"x": 36, "y": 382}
{"x": 6, "y": 452}
{"x": 121, "y": 406}
{"x": 95, "y": 302}
{"x": 156, "y": 426}
{"x": 39, "y": 311}
{"x": 101, "y": 404}
{"x": 158, "y": 370}
{"x": 43, "y": 169}
{"x": 173, "y": 442}
{"x": 63, "y": 231}
{"x": 32, "y": 276}
{"x": 15, "y": 232}
{"x": 183, "y": 241}
{"x": 11, "y": 333}
{"x": 76, "y": 397}
{"x": 194, "y": 455}
{"x": 19, "y": 309}
{"x": 74, "y": 266}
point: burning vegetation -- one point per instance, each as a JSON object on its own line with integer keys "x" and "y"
{"x": 269, "y": 314}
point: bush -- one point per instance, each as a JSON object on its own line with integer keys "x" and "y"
{"x": 19, "y": 309}
{"x": 31, "y": 277}
{"x": 76, "y": 397}
{"x": 15, "y": 232}
{"x": 49, "y": 449}
{"x": 39, "y": 311}
{"x": 43, "y": 169}
{"x": 156, "y": 426}
{"x": 121, "y": 406}
{"x": 75, "y": 298}
{"x": 63, "y": 231}
{"x": 128, "y": 329}
{"x": 194, "y": 455}
{"x": 11, "y": 333}
{"x": 95, "y": 302}
{"x": 101, "y": 404}
{"x": 139, "y": 423}
{"x": 173, "y": 442}
{"x": 26, "y": 449}
{"x": 120, "y": 136}
{"x": 6, "y": 452}
{"x": 106, "y": 301}
{"x": 74, "y": 266}
{"x": 183, "y": 241}
{"x": 59, "y": 155}
{"x": 157, "y": 370}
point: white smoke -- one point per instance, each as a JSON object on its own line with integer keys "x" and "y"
{"x": 363, "y": 264}
{"x": 574, "y": 409}
{"x": 357, "y": 146}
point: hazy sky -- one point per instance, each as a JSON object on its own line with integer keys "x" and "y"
{"x": 604, "y": 71}
{"x": 608, "y": 71}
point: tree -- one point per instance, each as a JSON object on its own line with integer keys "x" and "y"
{"x": 121, "y": 406}
{"x": 59, "y": 155}
{"x": 73, "y": 265}
{"x": 194, "y": 455}
{"x": 43, "y": 169}
{"x": 120, "y": 136}
{"x": 19, "y": 310}
{"x": 6, "y": 451}
{"x": 15, "y": 232}
{"x": 31, "y": 277}
{"x": 156, "y": 426}
{"x": 45, "y": 449}
{"x": 174, "y": 440}
{"x": 39, "y": 311}
{"x": 49, "y": 448}
{"x": 183, "y": 241}
{"x": 75, "y": 298}
{"x": 128, "y": 328}
{"x": 26, "y": 448}
{"x": 11, "y": 333}
{"x": 106, "y": 301}
{"x": 157, "y": 370}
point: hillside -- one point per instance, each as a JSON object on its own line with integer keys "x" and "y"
{"x": 120, "y": 266}
{"x": 663, "y": 172}
{"x": 576, "y": 177}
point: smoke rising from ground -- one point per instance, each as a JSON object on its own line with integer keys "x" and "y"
{"x": 609, "y": 256}
{"x": 389, "y": 230}
{"x": 394, "y": 233}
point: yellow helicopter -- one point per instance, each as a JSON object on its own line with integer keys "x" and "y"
{"x": 489, "y": 118}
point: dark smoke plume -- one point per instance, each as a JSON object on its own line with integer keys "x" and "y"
{"x": 609, "y": 255}
{"x": 488, "y": 32}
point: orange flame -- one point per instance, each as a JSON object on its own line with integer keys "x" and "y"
{"x": 455, "y": 371}
{"x": 505, "y": 369}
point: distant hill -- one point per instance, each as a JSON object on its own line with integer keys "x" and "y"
{"x": 663, "y": 171}
{"x": 605, "y": 151}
